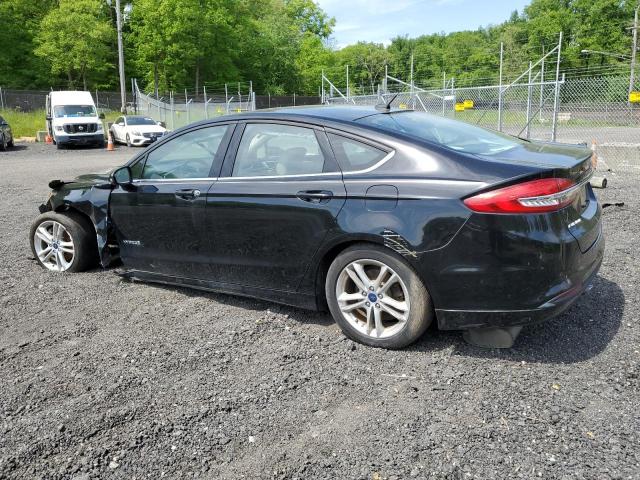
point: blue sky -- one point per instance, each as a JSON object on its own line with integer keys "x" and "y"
{"x": 381, "y": 20}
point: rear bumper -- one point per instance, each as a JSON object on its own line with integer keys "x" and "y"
{"x": 467, "y": 319}
{"x": 509, "y": 271}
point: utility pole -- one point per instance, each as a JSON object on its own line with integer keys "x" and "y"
{"x": 123, "y": 92}
{"x": 634, "y": 49}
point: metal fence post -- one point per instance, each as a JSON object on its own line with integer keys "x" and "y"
{"x": 206, "y": 110}
{"x": 347, "y": 85}
{"x": 556, "y": 98}
{"x": 1, "y": 99}
{"x": 386, "y": 74}
{"x": 411, "y": 83}
{"x": 541, "y": 84}
{"x": 186, "y": 106}
{"x": 529, "y": 92}
{"x": 500, "y": 90}
{"x": 173, "y": 112}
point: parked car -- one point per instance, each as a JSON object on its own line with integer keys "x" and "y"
{"x": 136, "y": 130}
{"x": 72, "y": 119}
{"x": 6, "y": 135}
{"x": 391, "y": 219}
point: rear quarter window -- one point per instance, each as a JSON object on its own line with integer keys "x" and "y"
{"x": 353, "y": 155}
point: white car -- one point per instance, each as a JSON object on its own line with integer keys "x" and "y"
{"x": 136, "y": 130}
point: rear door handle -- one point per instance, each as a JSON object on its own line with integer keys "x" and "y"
{"x": 188, "y": 193}
{"x": 314, "y": 196}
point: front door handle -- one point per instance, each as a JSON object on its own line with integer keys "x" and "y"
{"x": 315, "y": 196}
{"x": 188, "y": 193}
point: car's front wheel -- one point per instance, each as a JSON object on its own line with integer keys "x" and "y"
{"x": 129, "y": 144}
{"x": 63, "y": 242}
{"x": 376, "y": 298}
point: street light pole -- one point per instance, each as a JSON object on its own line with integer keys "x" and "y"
{"x": 123, "y": 94}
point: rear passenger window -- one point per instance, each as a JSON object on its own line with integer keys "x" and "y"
{"x": 353, "y": 155}
{"x": 276, "y": 150}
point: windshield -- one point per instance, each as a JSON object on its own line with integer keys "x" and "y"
{"x": 74, "y": 111}
{"x": 443, "y": 131}
{"x": 140, "y": 121}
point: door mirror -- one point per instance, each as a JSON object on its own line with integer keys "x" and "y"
{"x": 161, "y": 124}
{"x": 122, "y": 176}
{"x": 101, "y": 116}
{"x": 4, "y": 123}
{"x": 48, "y": 118}
{"x": 121, "y": 124}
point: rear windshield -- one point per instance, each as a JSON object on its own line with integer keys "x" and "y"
{"x": 74, "y": 111}
{"x": 140, "y": 121}
{"x": 444, "y": 131}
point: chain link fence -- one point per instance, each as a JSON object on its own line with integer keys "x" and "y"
{"x": 577, "y": 110}
{"x": 32, "y": 100}
{"x": 177, "y": 110}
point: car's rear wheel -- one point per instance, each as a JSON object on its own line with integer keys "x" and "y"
{"x": 63, "y": 242}
{"x": 3, "y": 143}
{"x": 376, "y": 298}
{"x": 11, "y": 143}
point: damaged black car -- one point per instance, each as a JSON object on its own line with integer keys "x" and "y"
{"x": 390, "y": 219}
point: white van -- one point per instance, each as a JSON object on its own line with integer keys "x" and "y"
{"x": 72, "y": 119}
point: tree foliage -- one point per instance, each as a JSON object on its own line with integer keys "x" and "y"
{"x": 283, "y": 46}
{"x": 76, "y": 40}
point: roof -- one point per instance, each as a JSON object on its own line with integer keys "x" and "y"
{"x": 330, "y": 112}
{"x": 74, "y": 97}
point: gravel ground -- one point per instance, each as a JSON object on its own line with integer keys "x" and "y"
{"x": 102, "y": 378}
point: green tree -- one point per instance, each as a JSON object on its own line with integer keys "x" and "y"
{"x": 20, "y": 21}
{"x": 366, "y": 61}
{"x": 76, "y": 39}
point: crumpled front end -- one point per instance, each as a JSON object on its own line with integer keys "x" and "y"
{"x": 89, "y": 196}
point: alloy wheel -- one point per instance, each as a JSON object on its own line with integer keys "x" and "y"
{"x": 373, "y": 298}
{"x": 54, "y": 246}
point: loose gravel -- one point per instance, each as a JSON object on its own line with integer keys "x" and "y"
{"x": 103, "y": 378}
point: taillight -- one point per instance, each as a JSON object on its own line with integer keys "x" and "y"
{"x": 544, "y": 195}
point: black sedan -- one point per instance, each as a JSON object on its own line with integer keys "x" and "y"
{"x": 390, "y": 219}
{"x": 6, "y": 135}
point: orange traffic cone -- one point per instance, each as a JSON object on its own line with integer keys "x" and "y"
{"x": 48, "y": 140}
{"x": 110, "y": 143}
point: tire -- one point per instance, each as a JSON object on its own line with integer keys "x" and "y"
{"x": 3, "y": 144}
{"x": 11, "y": 143}
{"x": 361, "y": 324}
{"x": 129, "y": 141}
{"x": 77, "y": 229}
{"x": 113, "y": 136}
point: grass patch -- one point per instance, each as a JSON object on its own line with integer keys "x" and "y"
{"x": 26, "y": 124}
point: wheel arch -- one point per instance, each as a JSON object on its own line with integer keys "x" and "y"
{"x": 332, "y": 252}
{"x": 100, "y": 238}
{"x": 327, "y": 257}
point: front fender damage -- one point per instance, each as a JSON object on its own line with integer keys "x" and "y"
{"x": 93, "y": 203}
